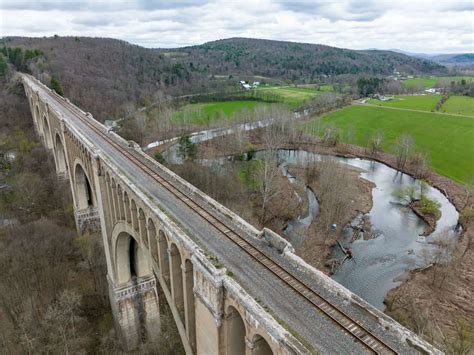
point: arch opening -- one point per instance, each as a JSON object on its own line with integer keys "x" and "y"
{"x": 260, "y": 346}
{"x": 190, "y": 317}
{"x": 152, "y": 239}
{"x": 235, "y": 332}
{"x": 47, "y": 133}
{"x": 61, "y": 163}
{"x": 131, "y": 259}
{"x": 84, "y": 196}
{"x": 177, "y": 280}
{"x": 142, "y": 230}
{"x": 37, "y": 117}
{"x": 164, "y": 258}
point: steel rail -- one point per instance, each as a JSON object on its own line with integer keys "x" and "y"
{"x": 349, "y": 325}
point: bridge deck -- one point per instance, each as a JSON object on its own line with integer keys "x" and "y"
{"x": 297, "y": 313}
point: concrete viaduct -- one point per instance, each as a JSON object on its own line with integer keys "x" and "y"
{"x": 232, "y": 289}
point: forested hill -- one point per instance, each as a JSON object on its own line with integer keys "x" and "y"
{"x": 106, "y": 76}
{"x": 295, "y": 61}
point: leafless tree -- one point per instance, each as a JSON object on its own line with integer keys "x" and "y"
{"x": 267, "y": 174}
{"x": 403, "y": 149}
{"x": 440, "y": 254}
{"x": 376, "y": 143}
{"x": 334, "y": 182}
{"x": 419, "y": 164}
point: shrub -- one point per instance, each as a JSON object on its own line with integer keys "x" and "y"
{"x": 429, "y": 206}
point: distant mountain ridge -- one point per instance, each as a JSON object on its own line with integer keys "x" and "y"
{"x": 119, "y": 73}
{"x": 295, "y": 61}
{"x": 443, "y": 58}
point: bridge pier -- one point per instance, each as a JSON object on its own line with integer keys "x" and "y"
{"x": 87, "y": 219}
{"x": 209, "y": 304}
{"x": 136, "y": 310}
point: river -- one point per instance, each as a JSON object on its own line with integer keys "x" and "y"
{"x": 397, "y": 245}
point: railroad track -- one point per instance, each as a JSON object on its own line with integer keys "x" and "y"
{"x": 355, "y": 328}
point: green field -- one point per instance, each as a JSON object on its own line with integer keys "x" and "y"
{"x": 413, "y": 102}
{"x": 448, "y": 140}
{"x": 430, "y": 81}
{"x": 205, "y": 113}
{"x": 293, "y": 96}
{"x": 461, "y": 105}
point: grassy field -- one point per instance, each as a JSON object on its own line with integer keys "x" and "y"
{"x": 448, "y": 140}
{"x": 462, "y": 105}
{"x": 418, "y": 102}
{"x": 205, "y": 113}
{"x": 430, "y": 81}
{"x": 293, "y": 96}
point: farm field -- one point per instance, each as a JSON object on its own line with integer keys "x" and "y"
{"x": 445, "y": 138}
{"x": 205, "y": 113}
{"x": 413, "y": 102}
{"x": 293, "y": 96}
{"x": 461, "y": 105}
{"x": 430, "y": 81}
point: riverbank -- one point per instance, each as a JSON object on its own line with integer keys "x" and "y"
{"x": 316, "y": 249}
{"x": 430, "y": 219}
{"x": 417, "y": 299}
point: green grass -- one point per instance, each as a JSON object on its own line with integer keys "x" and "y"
{"x": 430, "y": 81}
{"x": 418, "y": 102}
{"x": 461, "y": 105}
{"x": 204, "y": 113}
{"x": 293, "y": 96}
{"x": 448, "y": 140}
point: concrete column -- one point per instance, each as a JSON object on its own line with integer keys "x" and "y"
{"x": 209, "y": 302}
{"x": 135, "y": 308}
{"x": 104, "y": 213}
{"x": 176, "y": 280}
{"x": 249, "y": 346}
{"x": 189, "y": 304}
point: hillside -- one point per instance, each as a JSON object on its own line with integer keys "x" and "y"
{"x": 106, "y": 75}
{"x": 454, "y": 59}
{"x": 294, "y": 61}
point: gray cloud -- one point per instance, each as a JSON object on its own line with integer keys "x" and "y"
{"x": 412, "y": 25}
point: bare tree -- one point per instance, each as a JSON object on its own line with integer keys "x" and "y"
{"x": 462, "y": 342}
{"x": 376, "y": 143}
{"x": 403, "y": 149}
{"x": 267, "y": 174}
{"x": 440, "y": 255}
{"x": 334, "y": 182}
{"x": 419, "y": 164}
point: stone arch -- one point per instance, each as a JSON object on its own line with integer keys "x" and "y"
{"x": 164, "y": 261}
{"x": 189, "y": 312}
{"x": 120, "y": 209}
{"x": 61, "y": 162}
{"x": 131, "y": 261}
{"x": 47, "y": 133}
{"x": 134, "y": 214}
{"x": 176, "y": 279}
{"x": 37, "y": 117}
{"x": 261, "y": 346}
{"x": 126, "y": 206}
{"x": 152, "y": 239}
{"x": 235, "y": 332}
{"x": 82, "y": 188}
{"x": 113, "y": 195}
{"x": 142, "y": 230}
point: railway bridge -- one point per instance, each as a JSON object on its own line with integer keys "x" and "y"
{"x": 232, "y": 289}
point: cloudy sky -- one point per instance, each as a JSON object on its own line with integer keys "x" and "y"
{"x": 430, "y": 26}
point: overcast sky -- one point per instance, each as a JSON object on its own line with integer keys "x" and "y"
{"x": 432, "y": 26}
